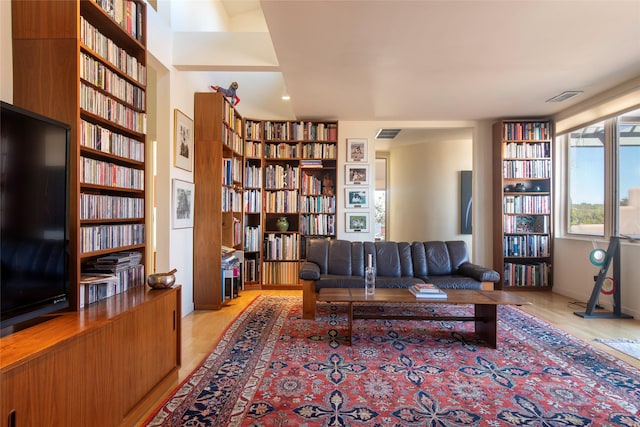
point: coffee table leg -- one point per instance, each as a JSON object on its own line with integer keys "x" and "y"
{"x": 350, "y": 323}
{"x": 487, "y": 323}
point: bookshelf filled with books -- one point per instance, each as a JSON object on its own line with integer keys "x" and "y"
{"x": 219, "y": 198}
{"x": 96, "y": 82}
{"x": 523, "y": 203}
{"x": 252, "y": 203}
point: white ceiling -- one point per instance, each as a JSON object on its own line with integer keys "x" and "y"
{"x": 391, "y": 60}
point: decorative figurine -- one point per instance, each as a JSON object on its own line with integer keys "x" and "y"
{"x": 229, "y": 93}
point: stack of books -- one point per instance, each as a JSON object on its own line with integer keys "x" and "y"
{"x": 427, "y": 291}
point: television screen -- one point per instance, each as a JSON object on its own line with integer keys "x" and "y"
{"x": 34, "y": 277}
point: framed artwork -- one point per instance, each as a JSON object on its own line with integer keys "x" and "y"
{"x": 357, "y": 174}
{"x": 356, "y": 198}
{"x": 182, "y": 197}
{"x": 357, "y": 222}
{"x": 357, "y": 150}
{"x": 183, "y": 141}
{"x": 465, "y": 202}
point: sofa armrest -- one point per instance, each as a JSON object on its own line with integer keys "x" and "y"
{"x": 481, "y": 274}
{"x": 309, "y": 271}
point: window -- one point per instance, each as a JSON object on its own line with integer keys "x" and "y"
{"x": 629, "y": 173}
{"x": 586, "y": 180}
{"x": 592, "y": 151}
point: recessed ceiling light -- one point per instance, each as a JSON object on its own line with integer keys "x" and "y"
{"x": 285, "y": 97}
{"x": 567, "y": 94}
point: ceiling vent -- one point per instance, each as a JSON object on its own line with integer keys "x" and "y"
{"x": 564, "y": 96}
{"x": 387, "y": 133}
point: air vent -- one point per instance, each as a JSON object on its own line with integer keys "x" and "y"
{"x": 387, "y": 133}
{"x": 564, "y": 96}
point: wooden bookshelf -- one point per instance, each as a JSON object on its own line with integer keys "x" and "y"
{"x": 218, "y": 177}
{"x": 84, "y": 63}
{"x": 523, "y": 204}
{"x": 252, "y": 203}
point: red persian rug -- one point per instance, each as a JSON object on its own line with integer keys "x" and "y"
{"x": 272, "y": 368}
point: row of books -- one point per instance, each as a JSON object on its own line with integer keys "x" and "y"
{"x": 253, "y": 130}
{"x": 519, "y": 150}
{"x": 281, "y": 151}
{"x": 111, "y": 175}
{"x": 127, "y": 13}
{"x": 532, "y": 245}
{"x": 102, "y": 139}
{"x": 99, "y": 75}
{"x": 231, "y": 171}
{"x": 95, "y": 102}
{"x": 252, "y": 270}
{"x": 527, "y": 204}
{"x": 231, "y": 200}
{"x": 233, "y": 140}
{"x": 252, "y": 238}
{"x": 280, "y": 273}
{"x": 252, "y": 201}
{"x": 526, "y": 274}
{"x": 100, "y": 44}
{"x": 232, "y": 119}
{"x": 97, "y": 287}
{"x": 281, "y": 247}
{"x": 526, "y": 169}
{"x": 527, "y": 131}
{"x": 281, "y": 201}
{"x": 427, "y": 291}
{"x": 526, "y": 224}
{"x": 318, "y": 204}
{"x": 281, "y": 176}
{"x": 321, "y": 224}
{"x": 101, "y": 237}
{"x": 100, "y": 206}
{"x": 252, "y": 176}
{"x": 319, "y": 151}
{"x": 252, "y": 148}
{"x": 314, "y": 131}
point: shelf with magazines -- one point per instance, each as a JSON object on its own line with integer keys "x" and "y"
{"x": 523, "y": 196}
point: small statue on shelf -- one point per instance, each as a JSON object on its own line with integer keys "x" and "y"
{"x": 327, "y": 185}
{"x": 229, "y": 93}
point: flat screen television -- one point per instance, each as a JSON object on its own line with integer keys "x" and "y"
{"x": 34, "y": 216}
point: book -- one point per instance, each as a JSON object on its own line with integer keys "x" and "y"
{"x": 425, "y": 288}
{"x": 428, "y": 295}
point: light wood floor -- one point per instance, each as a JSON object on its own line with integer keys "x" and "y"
{"x": 202, "y": 329}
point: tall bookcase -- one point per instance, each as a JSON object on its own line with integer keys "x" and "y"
{"x": 253, "y": 173}
{"x": 218, "y": 177}
{"x": 83, "y": 63}
{"x": 523, "y": 204}
{"x": 299, "y": 162}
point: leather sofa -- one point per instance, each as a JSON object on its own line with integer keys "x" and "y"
{"x": 341, "y": 264}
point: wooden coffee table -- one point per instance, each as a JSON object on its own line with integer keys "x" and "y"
{"x": 485, "y": 306}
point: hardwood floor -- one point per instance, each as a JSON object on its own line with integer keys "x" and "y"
{"x": 202, "y": 329}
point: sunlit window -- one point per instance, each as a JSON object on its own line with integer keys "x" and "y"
{"x": 586, "y": 180}
{"x": 629, "y": 173}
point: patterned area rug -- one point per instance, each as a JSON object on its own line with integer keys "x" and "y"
{"x": 630, "y": 347}
{"x": 272, "y": 368}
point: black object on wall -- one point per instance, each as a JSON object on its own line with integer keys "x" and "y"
{"x": 465, "y": 202}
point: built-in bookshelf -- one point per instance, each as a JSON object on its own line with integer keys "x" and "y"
{"x": 299, "y": 163}
{"x": 253, "y": 203}
{"x": 96, "y": 82}
{"x": 219, "y": 198}
{"x": 523, "y": 209}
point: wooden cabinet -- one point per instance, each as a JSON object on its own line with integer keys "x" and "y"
{"x": 84, "y": 65}
{"x": 102, "y": 366}
{"x": 218, "y": 217}
{"x": 523, "y": 203}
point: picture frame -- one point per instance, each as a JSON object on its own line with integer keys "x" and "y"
{"x": 357, "y": 222}
{"x": 356, "y": 174}
{"x": 183, "y": 141}
{"x": 182, "y": 203}
{"x": 357, "y": 150}
{"x": 356, "y": 198}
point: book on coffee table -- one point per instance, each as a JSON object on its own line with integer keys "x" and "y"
{"x": 427, "y": 291}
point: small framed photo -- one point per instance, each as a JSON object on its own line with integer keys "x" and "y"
{"x": 183, "y": 141}
{"x": 182, "y": 197}
{"x": 357, "y": 150}
{"x": 356, "y": 198}
{"x": 357, "y": 222}
{"x": 357, "y": 174}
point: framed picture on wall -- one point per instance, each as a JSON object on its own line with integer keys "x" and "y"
{"x": 182, "y": 201}
{"x": 356, "y": 198}
{"x": 356, "y": 174}
{"x": 357, "y": 222}
{"x": 357, "y": 150}
{"x": 183, "y": 141}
